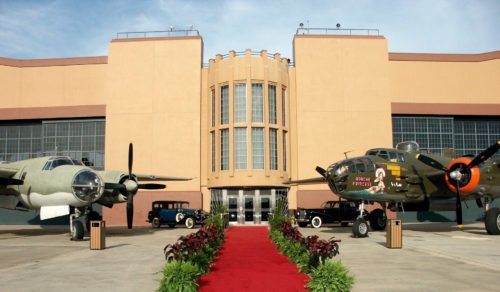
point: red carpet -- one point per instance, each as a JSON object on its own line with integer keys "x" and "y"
{"x": 249, "y": 261}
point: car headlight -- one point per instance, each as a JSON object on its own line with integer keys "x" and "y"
{"x": 87, "y": 186}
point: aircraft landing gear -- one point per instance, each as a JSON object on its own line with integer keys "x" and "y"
{"x": 378, "y": 219}
{"x": 491, "y": 218}
{"x": 78, "y": 221}
{"x": 360, "y": 227}
{"x": 76, "y": 227}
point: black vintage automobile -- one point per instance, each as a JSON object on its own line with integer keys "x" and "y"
{"x": 343, "y": 212}
{"x": 172, "y": 213}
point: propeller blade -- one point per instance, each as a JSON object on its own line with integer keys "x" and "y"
{"x": 430, "y": 162}
{"x": 487, "y": 153}
{"x": 321, "y": 171}
{"x": 130, "y": 159}
{"x": 11, "y": 181}
{"x": 113, "y": 186}
{"x": 130, "y": 210}
{"x": 458, "y": 206}
{"x": 151, "y": 186}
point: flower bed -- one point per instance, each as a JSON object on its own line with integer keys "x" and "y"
{"x": 191, "y": 256}
{"x": 312, "y": 255}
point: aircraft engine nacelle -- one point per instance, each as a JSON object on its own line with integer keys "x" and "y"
{"x": 468, "y": 179}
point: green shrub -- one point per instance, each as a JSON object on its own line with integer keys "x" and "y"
{"x": 330, "y": 276}
{"x": 279, "y": 214}
{"x": 180, "y": 277}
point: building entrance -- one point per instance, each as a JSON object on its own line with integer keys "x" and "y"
{"x": 249, "y": 206}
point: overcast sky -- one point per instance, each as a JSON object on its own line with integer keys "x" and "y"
{"x": 67, "y": 28}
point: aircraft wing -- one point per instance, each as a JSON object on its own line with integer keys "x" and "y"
{"x": 152, "y": 177}
{"x": 6, "y": 173}
{"x": 314, "y": 180}
{"x": 7, "y": 170}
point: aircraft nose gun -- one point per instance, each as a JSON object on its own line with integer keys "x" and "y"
{"x": 87, "y": 186}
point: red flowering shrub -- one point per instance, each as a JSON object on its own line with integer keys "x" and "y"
{"x": 318, "y": 249}
{"x": 187, "y": 246}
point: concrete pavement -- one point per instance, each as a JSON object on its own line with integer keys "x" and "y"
{"x": 435, "y": 257}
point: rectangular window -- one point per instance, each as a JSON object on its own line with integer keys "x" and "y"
{"x": 283, "y": 106}
{"x": 257, "y": 103}
{"x": 53, "y": 137}
{"x": 224, "y": 105}
{"x": 272, "y": 104}
{"x": 258, "y": 148}
{"x": 213, "y": 151}
{"x": 240, "y": 148}
{"x": 240, "y": 103}
{"x": 224, "y": 149}
{"x": 212, "y": 92}
{"x": 273, "y": 149}
{"x": 284, "y": 151}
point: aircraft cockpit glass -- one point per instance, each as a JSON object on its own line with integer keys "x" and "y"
{"x": 87, "y": 186}
{"x": 356, "y": 165}
{"x": 51, "y": 164}
{"x": 408, "y": 146}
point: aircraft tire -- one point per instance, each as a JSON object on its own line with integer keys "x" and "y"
{"x": 360, "y": 228}
{"x": 378, "y": 219}
{"x": 302, "y": 224}
{"x": 77, "y": 232}
{"x": 492, "y": 221}
{"x": 316, "y": 222}
{"x": 189, "y": 223}
{"x": 156, "y": 222}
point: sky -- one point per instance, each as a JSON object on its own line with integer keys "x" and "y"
{"x": 77, "y": 28}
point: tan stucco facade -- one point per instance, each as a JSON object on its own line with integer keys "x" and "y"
{"x": 340, "y": 93}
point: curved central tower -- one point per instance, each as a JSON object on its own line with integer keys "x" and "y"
{"x": 248, "y": 127}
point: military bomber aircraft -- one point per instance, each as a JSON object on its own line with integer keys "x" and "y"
{"x": 403, "y": 179}
{"x": 56, "y": 185}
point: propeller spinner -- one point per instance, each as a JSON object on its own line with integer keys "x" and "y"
{"x": 462, "y": 174}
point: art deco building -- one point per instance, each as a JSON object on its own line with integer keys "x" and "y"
{"x": 246, "y": 122}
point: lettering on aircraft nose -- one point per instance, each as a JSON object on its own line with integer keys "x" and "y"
{"x": 362, "y": 181}
{"x": 396, "y": 184}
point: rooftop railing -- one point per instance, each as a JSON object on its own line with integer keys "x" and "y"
{"x": 157, "y": 33}
{"x": 338, "y": 31}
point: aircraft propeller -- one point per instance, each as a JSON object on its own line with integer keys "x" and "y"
{"x": 459, "y": 172}
{"x": 11, "y": 181}
{"x": 130, "y": 187}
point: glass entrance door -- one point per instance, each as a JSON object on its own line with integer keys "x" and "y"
{"x": 249, "y": 207}
{"x": 232, "y": 208}
{"x": 265, "y": 207}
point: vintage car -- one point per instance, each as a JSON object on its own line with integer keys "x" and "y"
{"x": 172, "y": 213}
{"x": 343, "y": 212}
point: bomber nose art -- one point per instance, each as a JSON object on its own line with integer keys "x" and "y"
{"x": 87, "y": 186}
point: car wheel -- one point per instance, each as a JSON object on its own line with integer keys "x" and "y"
{"x": 316, "y": 222}
{"x": 77, "y": 232}
{"x": 378, "y": 219}
{"x": 492, "y": 221}
{"x": 171, "y": 225}
{"x": 344, "y": 224}
{"x": 302, "y": 224}
{"x": 179, "y": 217}
{"x": 360, "y": 228}
{"x": 189, "y": 223}
{"x": 156, "y": 222}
